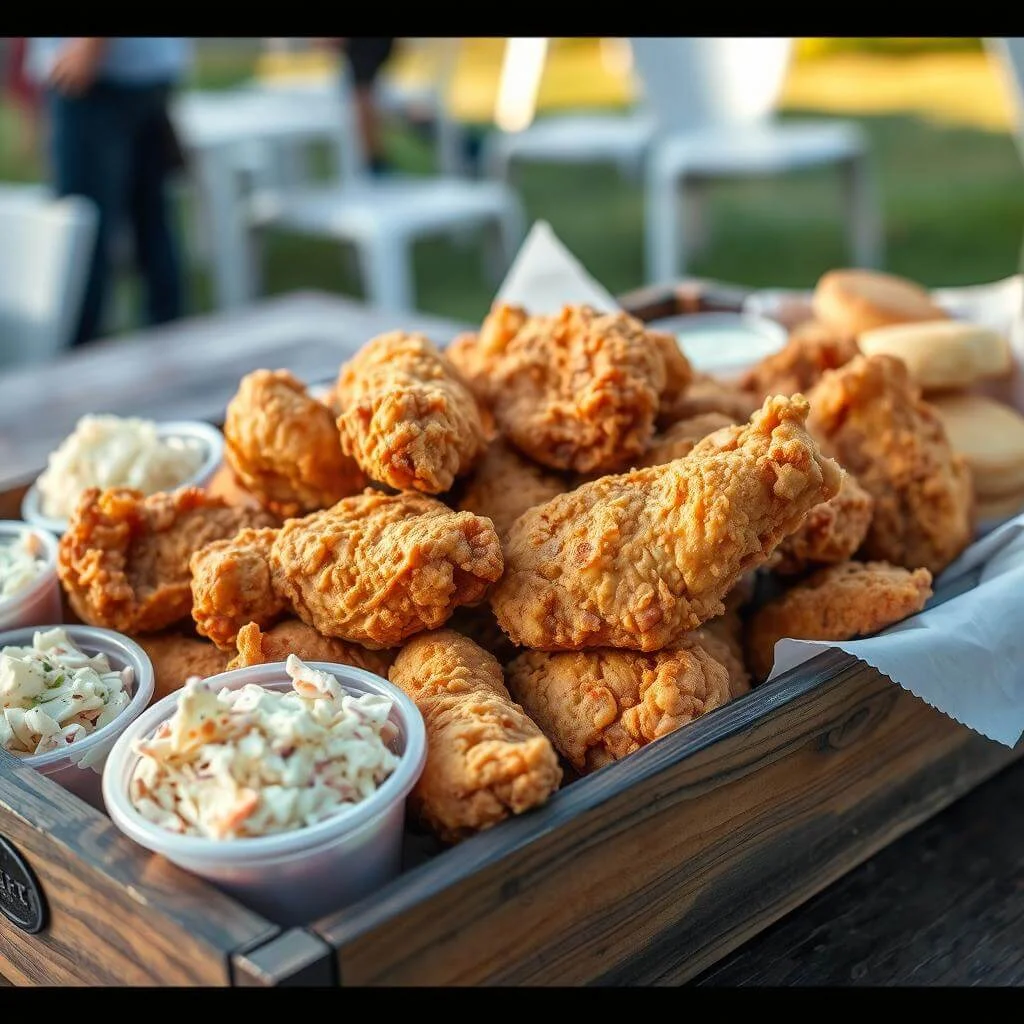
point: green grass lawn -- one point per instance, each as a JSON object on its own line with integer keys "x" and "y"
{"x": 953, "y": 207}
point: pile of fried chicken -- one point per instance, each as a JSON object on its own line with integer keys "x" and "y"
{"x": 547, "y": 535}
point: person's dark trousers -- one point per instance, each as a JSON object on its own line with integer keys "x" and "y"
{"x": 110, "y": 144}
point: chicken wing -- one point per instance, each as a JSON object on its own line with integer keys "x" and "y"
{"x": 486, "y": 759}
{"x": 506, "y": 484}
{"x": 812, "y": 349}
{"x": 602, "y": 705}
{"x": 124, "y": 560}
{"x": 578, "y": 391}
{"x": 176, "y": 658}
{"x": 284, "y": 447}
{"x": 256, "y": 647}
{"x": 231, "y": 586}
{"x": 872, "y": 418}
{"x": 681, "y": 438}
{"x": 377, "y": 568}
{"x": 831, "y": 533}
{"x": 408, "y": 419}
{"x": 637, "y": 560}
{"x": 837, "y": 603}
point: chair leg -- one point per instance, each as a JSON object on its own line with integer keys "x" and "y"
{"x": 387, "y": 272}
{"x": 664, "y": 241}
{"x": 864, "y": 221}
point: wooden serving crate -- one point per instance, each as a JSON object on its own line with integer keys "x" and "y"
{"x": 649, "y": 870}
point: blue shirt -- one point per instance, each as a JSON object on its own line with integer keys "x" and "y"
{"x": 126, "y": 60}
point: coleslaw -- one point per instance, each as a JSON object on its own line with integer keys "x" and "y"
{"x": 254, "y": 762}
{"x": 52, "y": 694}
{"x": 21, "y": 561}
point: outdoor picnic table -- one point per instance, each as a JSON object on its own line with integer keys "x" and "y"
{"x": 944, "y": 904}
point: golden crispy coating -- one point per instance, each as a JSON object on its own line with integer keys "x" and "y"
{"x": 600, "y": 706}
{"x": 723, "y": 639}
{"x": 408, "y": 417}
{"x": 837, "y": 603}
{"x": 175, "y": 658}
{"x": 871, "y": 417}
{"x": 506, "y": 484}
{"x": 486, "y": 759}
{"x": 124, "y": 558}
{"x": 681, "y": 438}
{"x": 284, "y": 447}
{"x": 231, "y": 586}
{"x": 377, "y": 568}
{"x": 577, "y": 391}
{"x": 224, "y": 484}
{"x": 831, "y": 533}
{"x": 256, "y": 647}
{"x": 637, "y": 560}
{"x": 707, "y": 394}
{"x": 812, "y": 349}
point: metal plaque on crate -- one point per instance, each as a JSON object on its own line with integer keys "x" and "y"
{"x": 21, "y": 898}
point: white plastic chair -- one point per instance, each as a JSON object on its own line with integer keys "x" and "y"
{"x": 45, "y": 248}
{"x": 383, "y": 217}
{"x": 713, "y": 100}
{"x": 572, "y": 138}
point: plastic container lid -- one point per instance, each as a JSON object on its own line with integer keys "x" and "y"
{"x": 206, "y": 433}
{"x": 40, "y": 599}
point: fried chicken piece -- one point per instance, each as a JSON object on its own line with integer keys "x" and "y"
{"x": 377, "y": 568}
{"x": 231, "y": 586}
{"x": 256, "y": 647}
{"x": 600, "y": 706}
{"x": 681, "y": 438}
{"x": 175, "y": 658}
{"x": 637, "y": 560}
{"x": 506, "y": 484}
{"x": 831, "y": 533}
{"x": 577, "y": 391}
{"x": 284, "y": 447}
{"x": 707, "y": 394}
{"x": 722, "y": 637}
{"x": 812, "y": 349}
{"x": 837, "y": 603}
{"x": 870, "y": 415}
{"x": 408, "y": 419}
{"x": 124, "y": 558}
{"x": 224, "y": 484}
{"x": 486, "y": 760}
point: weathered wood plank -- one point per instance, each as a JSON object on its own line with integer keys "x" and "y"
{"x": 705, "y": 853}
{"x": 117, "y": 915}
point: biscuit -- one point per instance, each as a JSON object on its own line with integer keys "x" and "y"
{"x": 990, "y": 437}
{"x": 854, "y": 301}
{"x": 942, "y": 354}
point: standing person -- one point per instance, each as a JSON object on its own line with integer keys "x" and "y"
{"x": 366, "y": 56}
{"x": 111, "y": 141}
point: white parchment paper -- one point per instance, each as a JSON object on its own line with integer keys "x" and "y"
{"x": 963, "y": 656}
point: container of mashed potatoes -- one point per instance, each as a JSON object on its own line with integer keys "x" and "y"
{"x": 116, "y": 451}
{"x": 29, "y": 590}
{"x": 66, "y": 695}
{"x": 283, "y": 784}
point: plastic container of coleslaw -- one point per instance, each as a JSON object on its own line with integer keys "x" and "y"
{"x": 39, "y": 601}
{"x": 290, "y": 877}
{"x": 79, "y": 766}
{"x": 204, "y": 434}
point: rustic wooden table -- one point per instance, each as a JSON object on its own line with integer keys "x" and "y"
{"x": 942, "y": 905}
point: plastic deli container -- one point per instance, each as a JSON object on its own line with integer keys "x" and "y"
{"x": 724, "y": 344}
{"x": 39, "y": 601}
{"x": 205, "y": 434}
{"x": 79, "y": 766}
{"x": 289, "y": 877}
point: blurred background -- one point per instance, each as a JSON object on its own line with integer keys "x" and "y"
{"x": 934, "y": 116}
